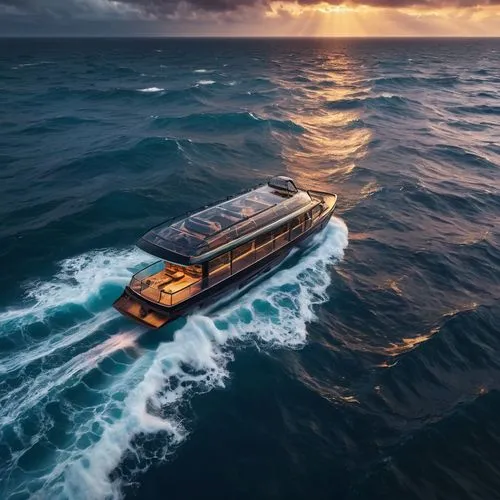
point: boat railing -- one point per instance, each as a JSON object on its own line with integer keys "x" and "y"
{"x": 143, "y": 284}
{"x": 153, "y": 268}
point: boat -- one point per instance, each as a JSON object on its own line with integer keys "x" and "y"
{"x": 207, "y": 254}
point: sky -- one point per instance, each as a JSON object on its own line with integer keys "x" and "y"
{"x": 250, "y": 17}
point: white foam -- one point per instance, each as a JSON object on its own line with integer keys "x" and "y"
{"x": 79, "y": 279}
{"x": 206, "y": 82}
{"x": 30, "y": 393}
{"x": 276, "y": 312}
{"x": 56, "y": 342}
{"x": 151, "y": 89}
{"x": 29, "y": 65}
{"x": 202, "y": 70}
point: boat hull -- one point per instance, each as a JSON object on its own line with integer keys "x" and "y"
{"x": 154, "y": 315}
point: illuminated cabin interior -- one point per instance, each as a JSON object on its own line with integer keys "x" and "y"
{"x": 209, "y": 246}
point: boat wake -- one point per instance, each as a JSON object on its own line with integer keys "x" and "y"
{"x": 83, "y": 408}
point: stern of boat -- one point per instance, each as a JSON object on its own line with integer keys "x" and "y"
{"x": 130, "y": 306}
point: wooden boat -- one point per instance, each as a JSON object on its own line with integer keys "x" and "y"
{"x": 206, "y": 254}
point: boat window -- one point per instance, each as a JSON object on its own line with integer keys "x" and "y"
{"x": 252, "y": 203}
{"x": 174, "y": 240}
{"x": 263, "y": 245}
{"x": 217, "y": 262}
{"x": 316, "y": 211}
{"x": 308, "y": 219}
{"x": 219, "y": 268}
{"x": 281, "y": 236}
{"x": 281, "y": 230}
{"x": 243, "y": 256}
{"x": 263, "y": 239}
{"x": 245, "y": 227}
{"x": 208, "y": 222}
{"x": 297, "y": 226}
{"x": 242, "y": 249}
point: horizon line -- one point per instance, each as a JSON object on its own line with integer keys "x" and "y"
{"x": 255, "y": 37}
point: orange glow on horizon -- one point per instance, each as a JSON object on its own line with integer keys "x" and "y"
{"x": 349, "y": 19}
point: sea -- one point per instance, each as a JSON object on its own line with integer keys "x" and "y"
{"x": 366, "y": 366}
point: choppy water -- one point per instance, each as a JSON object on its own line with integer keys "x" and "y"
{"x": 360, "y": 369}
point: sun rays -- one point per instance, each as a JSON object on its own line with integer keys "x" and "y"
{"x": 357, "y": 20}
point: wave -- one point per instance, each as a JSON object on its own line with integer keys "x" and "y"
{"x": 384, "y": 99}
{"x": 79, "y": 281}
{"x": 150, "y": 397}
{"x": 205, "y": 82}
{"x": 32, "y": 64}
{"x": 461, "y": 155}
{"x": 412, "y": 81}
{"x": 482, "y": 109}
{"x": 151, "y": 89}
{"x": 144, "y": 150}
{"x": 471, "y": 127}
{"x": 192, "y": 94}
{"x": 226, "y": 121}
{"x": 56, "y": 124}
{"x": 487, "y": 95}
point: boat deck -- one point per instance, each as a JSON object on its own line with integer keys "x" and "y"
{"x": 130, "y": 307}
{"x": 167, "y": 282}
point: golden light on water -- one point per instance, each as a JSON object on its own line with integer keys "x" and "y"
{"x": 334, "y": 139}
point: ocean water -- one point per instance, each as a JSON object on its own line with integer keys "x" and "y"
{"x": 367, "y": 366}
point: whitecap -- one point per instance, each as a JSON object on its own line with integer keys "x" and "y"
{"x": 151, "y": 89}
{"x": 206, "y": 82}
{"x": 28, "y": 65}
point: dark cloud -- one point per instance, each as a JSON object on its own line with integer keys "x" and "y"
{"x": 162, "y": 8}
{"x": 168, "y": 6}
{"x": 174, "y": 17}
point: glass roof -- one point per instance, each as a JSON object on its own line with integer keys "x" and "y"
{"x": 217, "y": 225}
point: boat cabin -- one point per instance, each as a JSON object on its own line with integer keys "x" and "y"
{"x": 209, "y": 246}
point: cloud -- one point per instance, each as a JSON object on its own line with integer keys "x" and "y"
{"x": 188, "y": 8}
{"x": 250, "y": 17}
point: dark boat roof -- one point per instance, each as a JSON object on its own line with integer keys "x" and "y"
{"x": 211, "y": 228}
